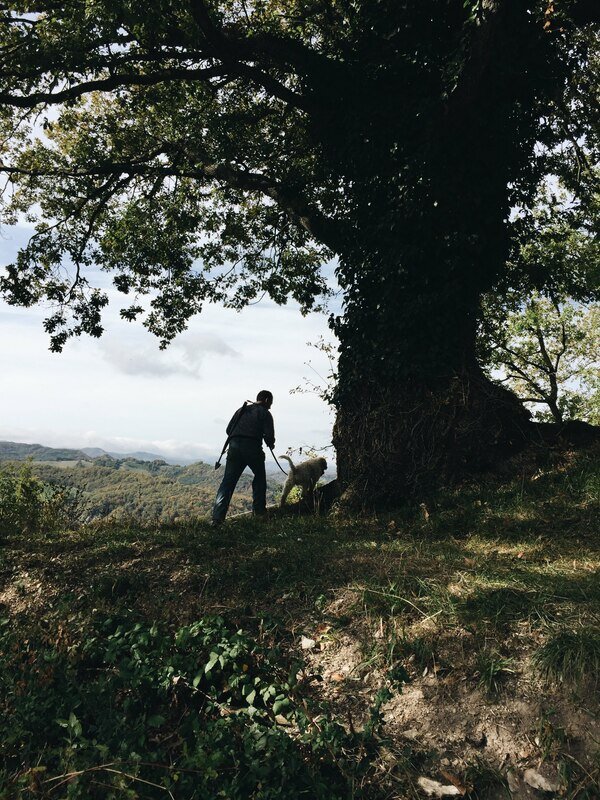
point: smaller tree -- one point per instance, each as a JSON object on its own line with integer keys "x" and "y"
{"x": 547, "y": 350}
{"x": 321, "y": 385}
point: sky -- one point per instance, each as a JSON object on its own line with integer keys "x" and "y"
{"x": 121, "y": 393}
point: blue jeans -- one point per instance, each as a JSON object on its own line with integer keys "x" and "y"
{"x": 242, "y": 453}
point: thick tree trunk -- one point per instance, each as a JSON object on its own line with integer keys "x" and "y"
{"x": 414, "y": 410}
{"x": 429, "y": 203}
{"x": 409, "y": 438}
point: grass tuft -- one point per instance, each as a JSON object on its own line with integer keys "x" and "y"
{"x": 484, "y": 781}
{"x": 492, "y": 669}
{"x": 570, "y": 657}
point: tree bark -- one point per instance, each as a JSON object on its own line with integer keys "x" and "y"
{"x": 415, "y": 411}
{"x": 411, "y": 440}
{"x": 553, "y": 406}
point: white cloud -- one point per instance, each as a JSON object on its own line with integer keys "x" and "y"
{"x": 184, "y": 357}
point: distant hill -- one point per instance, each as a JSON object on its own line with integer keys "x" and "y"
{"x": 139, "y": 455}
{"x": 17, "y": 451}
{"x": 93, "y": 452}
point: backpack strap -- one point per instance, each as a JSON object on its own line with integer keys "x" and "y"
{"x": 236, "y": 419}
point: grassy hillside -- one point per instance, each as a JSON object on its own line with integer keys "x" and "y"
{"x": 456, "y": 642}
{"x": 148, "y": 491}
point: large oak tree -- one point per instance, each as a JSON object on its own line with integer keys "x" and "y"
{"x": 214, "y": 150}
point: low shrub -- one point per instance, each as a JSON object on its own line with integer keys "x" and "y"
{"x": 205, "y": 712}
{"x": 28, "y": 505}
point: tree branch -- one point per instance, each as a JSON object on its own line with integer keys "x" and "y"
{"x": 299, "y": 210}
{"x": 212, "y": 34}
{"x": 540, "y": 337}
{"x": 524, "y": 376}
{"x": 232, "y": 54}
{"x": 514, "y": 353}
{"x": 108, "y": 85}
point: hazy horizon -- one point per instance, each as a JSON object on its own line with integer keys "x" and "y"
{"x": 122, "y": 393}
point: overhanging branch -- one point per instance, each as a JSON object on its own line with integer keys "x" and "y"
{"x": 108, "y": 85}
{"x": 293, "y": 203}
{"x": 232, "y": 55}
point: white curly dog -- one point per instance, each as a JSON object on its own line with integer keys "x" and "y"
{"x": 304, "y": 475}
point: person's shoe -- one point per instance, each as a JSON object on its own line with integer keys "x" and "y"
{"x": 214, "y": 523}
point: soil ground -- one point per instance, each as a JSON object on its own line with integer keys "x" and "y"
{"x": 447, "y": 606}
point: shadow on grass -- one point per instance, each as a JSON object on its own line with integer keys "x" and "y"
{"x": 401, "y": 564}
{"x": 498, "y": 607}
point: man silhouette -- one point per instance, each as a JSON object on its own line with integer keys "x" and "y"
{"x": 249, "y": 426}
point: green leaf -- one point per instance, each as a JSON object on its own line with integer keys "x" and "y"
{"x": 214, "y": 657}
{"x": 281, "y": 705}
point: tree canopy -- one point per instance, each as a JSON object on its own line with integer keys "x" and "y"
{"x": 548, "y": 351}
{"x": 212, "y": 151}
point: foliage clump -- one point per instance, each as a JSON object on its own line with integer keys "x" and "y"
{"x": 28, "y": 505}
{"x": 205, "y": 711}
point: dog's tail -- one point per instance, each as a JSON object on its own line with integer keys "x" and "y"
{"x": 290, "y": 462}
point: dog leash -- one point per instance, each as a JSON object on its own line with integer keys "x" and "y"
{"x": 277, "y": 462}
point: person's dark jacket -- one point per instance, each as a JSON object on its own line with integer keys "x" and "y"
{"x": 254, "y": 422}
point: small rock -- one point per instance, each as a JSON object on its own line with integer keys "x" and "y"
{"x": 306, "y": 643}
{"x": 477, "y": 739}
{"x": 435, "y": 789}
{"x": 411, "y": 733}
{"x": 545, "y": 783}
{"x": 514, "y": 783}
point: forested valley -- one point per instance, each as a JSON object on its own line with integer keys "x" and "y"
{"x": 108, "y": 488}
